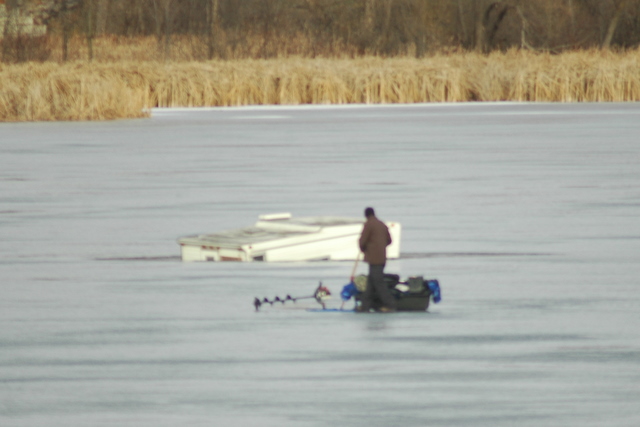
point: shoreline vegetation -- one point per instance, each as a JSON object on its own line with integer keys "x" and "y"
{"x": 122, "y": 88}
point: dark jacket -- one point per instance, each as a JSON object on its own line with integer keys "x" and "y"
{"x": 374, "y": 240}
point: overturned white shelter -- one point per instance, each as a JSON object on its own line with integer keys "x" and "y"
{"x": 279, "y": 237}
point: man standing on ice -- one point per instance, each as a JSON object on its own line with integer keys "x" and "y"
{"x": 374, "y": 240}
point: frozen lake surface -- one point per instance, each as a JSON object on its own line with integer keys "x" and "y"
{"x": 526, "y": 213}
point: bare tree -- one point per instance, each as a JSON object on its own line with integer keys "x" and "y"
{"x": 619, "y": 7}
{"x": 90, "y": 27}
{"x": 213, "y": 7}
{"x": 166, "y": 7}
{"x": 66, "y": 29}
{"x": 461, "y": 21}
{"x": 489, "y": 16}
{"x": 572, "y": 19}
{"x": 102, "y": 16}
{"x": 369, "y": 16}
{"x": 11, "y": 33}
{"x": 161, "y": 10}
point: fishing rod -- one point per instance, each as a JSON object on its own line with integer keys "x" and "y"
{"x": 321, "y": 293}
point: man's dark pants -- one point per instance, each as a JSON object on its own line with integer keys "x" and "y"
{"x": 376, "y": 287}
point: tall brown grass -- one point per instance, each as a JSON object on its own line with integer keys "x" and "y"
{"x": 94, "y": 91}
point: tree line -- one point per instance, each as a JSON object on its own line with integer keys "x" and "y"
{"x": 270, "y": 28}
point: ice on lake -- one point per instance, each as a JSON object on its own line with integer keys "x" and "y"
{"x": 527, "y": 214}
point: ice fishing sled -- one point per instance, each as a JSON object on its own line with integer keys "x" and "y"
{"x": 412, "y": 294}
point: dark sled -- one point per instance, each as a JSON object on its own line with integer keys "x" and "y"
{"x": 414, "y": 294}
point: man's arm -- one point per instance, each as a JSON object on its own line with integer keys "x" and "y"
{"x": 364, "y": 237}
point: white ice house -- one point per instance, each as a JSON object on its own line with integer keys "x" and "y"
{"x": 280, "y": 237}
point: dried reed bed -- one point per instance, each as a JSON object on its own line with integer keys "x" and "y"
{"x": 39, "y": 92}
{"x": 86, "y": 91}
